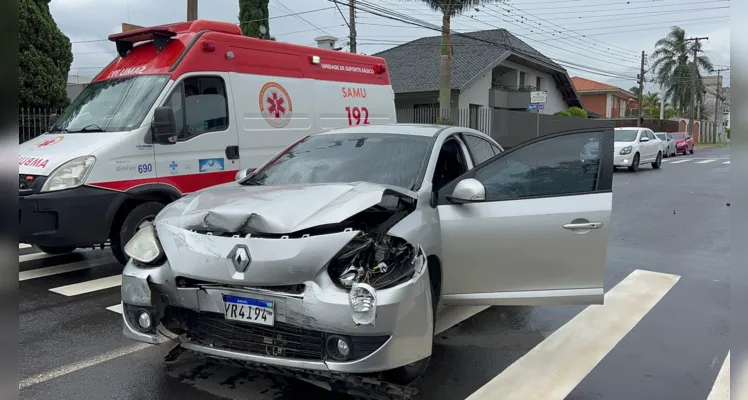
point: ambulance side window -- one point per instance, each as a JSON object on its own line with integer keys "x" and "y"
{"x": 200, "y": 106}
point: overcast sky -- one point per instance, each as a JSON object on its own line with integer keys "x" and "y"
{"x": 605, "y": 37}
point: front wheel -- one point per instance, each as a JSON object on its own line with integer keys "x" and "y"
{"x": 635, "y": 163}
{"x": 658, "y": 161}
{"x": 136, "y": 219}
{"x": 54, "y": 250}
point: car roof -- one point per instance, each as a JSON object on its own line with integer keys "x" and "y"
{"x": 628, "y": 127}
{"x": 398, "y": 129}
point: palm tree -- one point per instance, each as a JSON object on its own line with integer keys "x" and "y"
{"x": 448, "y": 9}
{"x": 651, "y": 104}
{"x": 673, "y": 59}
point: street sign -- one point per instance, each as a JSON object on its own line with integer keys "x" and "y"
{"x": 541, "y": 106}
{"x": 532, "y": 107}
{"x": 539, "y": 96}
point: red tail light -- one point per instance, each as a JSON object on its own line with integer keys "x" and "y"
{"x": 209, "y": 47}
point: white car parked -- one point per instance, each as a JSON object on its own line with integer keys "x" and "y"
{"x": 634, "y": 146}
{"x": 668, "y": 144}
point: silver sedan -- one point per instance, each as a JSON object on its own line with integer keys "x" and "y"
{"x": 668, "y": 144}
{"x": 335, "y": 254}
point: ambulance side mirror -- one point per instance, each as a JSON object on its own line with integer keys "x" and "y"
{"x": 163, "y": 126}
{"x": 53, "y": 120}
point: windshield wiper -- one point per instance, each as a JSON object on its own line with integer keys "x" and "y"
{"x": 89, "y": 128}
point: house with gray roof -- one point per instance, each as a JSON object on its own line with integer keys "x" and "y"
{"x": 491, "y": 69}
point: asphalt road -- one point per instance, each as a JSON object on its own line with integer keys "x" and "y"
{"x": 662, "y": 333}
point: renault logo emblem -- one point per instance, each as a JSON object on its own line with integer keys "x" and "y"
{"x": 240, "y": 257}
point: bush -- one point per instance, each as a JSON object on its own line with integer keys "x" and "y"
{"x": 574, "y": 112}
{"x": 727, "y": 130}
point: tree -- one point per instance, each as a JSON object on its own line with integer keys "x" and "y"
{"x": 673, "y": 60}
{"x": 634, "y": 90}
{"x": 252, "y": 14}
{"x": 651, "y": 104}
{"x": 44, "y": 57}
{"x": 448, "y": 9}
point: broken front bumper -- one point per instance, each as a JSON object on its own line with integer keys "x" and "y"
{"x": 307, "y": 316}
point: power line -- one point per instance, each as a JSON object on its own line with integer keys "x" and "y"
{"x": 300, "y": 18}
{"x": 638, "y": 8}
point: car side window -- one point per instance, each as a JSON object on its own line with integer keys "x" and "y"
{"x": 651, "y": 135}
{"x": 567, "y": 164}
{"x": 479, "y": 148}
{"x": 200, "y": 106}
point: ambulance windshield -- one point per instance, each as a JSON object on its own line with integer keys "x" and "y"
{"x": 113, "y": 105}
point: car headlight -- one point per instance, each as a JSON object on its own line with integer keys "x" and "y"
{"x": 144, "y": 246}
{"x": 363, "y": 301}
{"x": 69, "y": 175}
{"x": 626, "y": 150}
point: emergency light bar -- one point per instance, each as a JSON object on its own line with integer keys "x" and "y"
{"x": 125, "y": 41}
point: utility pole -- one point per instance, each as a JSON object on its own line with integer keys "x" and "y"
{"x": 717, "y": 98}
{"x": 641, "y": 90}
{"x": 191, "y": 10}
{"x": 352, "y": 24}
{"x": 694, "y": 82}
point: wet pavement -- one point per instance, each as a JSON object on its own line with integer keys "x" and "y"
{"x": 674, "y": 220}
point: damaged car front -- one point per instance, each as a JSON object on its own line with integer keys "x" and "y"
{"x": 294, "y": 266}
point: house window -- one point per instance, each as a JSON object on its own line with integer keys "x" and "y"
{"x": 522, "y": 79}
{"x": 538, "y": 81}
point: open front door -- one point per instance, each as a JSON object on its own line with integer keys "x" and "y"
{"x": 530, "y": 226}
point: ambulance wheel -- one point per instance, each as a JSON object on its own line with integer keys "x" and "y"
{"x": 137, "y": 218}
{"x": 54, "y": 250}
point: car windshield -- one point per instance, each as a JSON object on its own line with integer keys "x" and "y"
{"x": 678, "y": 136}
{"x": 662, "y": 136}
{"x": 625, "y": 135}
{"x": 389, "y": 159}
{"x": 111, "y": 105}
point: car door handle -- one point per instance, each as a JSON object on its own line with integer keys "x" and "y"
{"x": 584, "y": 226}
{"x": 232, "y": 152}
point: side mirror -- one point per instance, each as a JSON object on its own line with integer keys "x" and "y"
{"x": 644, "y": 139}
{"x": 163, "y": 127}
{"x": 468, "y": 191}
{"x": 53, "y": 120}
{"x": 243, "y": 173}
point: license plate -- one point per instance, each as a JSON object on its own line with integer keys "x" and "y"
{"x": 244, "y": 309}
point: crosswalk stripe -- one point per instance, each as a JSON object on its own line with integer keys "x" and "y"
{"x": 89, "y": 286}
{"x": 705, "y": 161}
{"x": 34, "y": 256}
{"x": 679, "y": 161}
{"x": 552, "y": 369}
{"x": 23, "y": 246}
{"x": 116, "y": 308}
{"x": 63, "y": 268}
{"x": 726, "y": 163}
{"x": 721, "y": 388}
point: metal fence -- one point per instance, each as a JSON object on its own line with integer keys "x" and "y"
{"x": 509, "y": 128}
{"x": 32, "y": 122}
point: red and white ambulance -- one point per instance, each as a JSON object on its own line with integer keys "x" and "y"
{"x": 183, "y": 107}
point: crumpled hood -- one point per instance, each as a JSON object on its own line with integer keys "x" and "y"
{"x": 273, "y": 209}
{"x": 44, "y": 153}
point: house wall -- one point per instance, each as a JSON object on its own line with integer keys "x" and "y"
{"x": 477, "y": 92}
{"x": 405, "y": 105}
{"x": 597, "y": 103}
{"x": 555, "y": 102}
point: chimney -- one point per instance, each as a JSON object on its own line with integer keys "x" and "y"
{"x": 326, "y": 42}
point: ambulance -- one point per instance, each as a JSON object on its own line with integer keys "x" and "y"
{"x": 183, "y": 107}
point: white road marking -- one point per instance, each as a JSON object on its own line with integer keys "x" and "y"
{"x": 89, "y": 286}
{"x": 23, "y": 246}
{"x": 117, "y": 308}
{"x": 56, "y": 373}
{"x": 705, "y": 161}
{"x": 63, "y": 268}
{"x": 679, "y": 161}
{"x": 34, "y": 256}
{"x": 726, "y": 163}
{"x": 451, "y": 316}
{"x": 552, "y": 369}
{"x": 721, "y": 388}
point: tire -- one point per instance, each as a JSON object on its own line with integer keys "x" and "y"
{"x": 634, "y": 164}
{"x": 691, "y": 151}
{"x": 54, "y": 250}
{"x": 409, "y": 373}
{"x": 121, "y": 234}
{"x": 658, "y": 161}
